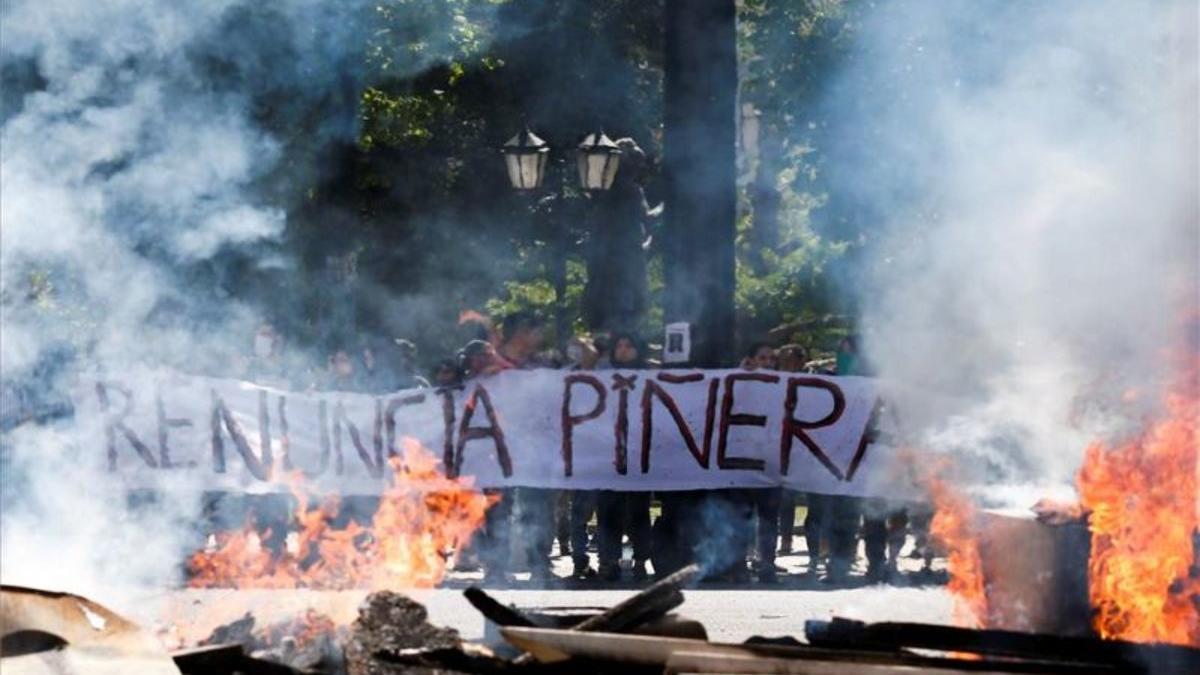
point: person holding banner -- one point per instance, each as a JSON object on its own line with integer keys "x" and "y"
{"x": 766, "y": 501}
{"x": 523, "y": 337}
{"x": 790, "y": 359}
{"x": 624, "y": 513}
{"x": 493, "y": 547}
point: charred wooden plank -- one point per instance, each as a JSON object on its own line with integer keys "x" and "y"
{"x": 553, "y": 646}
{"x": 226, "y": 658}
{"x": 495, "y": 611}
{"x": 443, "y": 659}
{"x": 651, "y": 603}
{"x": 1008, "y": 644}
{"x": 681, "y": 662}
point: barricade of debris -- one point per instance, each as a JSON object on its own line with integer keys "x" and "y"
{"x": 60, "y": 633}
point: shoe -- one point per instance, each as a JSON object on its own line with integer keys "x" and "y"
{"x": 610, "y": 572}
{"x": 639, "y": 571}
{"x": 583, "y": 571}
{"x": 767, "y": 575}
{"x": 495, "y": 578}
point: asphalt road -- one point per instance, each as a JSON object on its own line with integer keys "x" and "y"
{"x": 729, "y": 612}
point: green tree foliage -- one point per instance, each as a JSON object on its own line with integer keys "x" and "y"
{"x": 420, "y": 200}
{"x": 793, "y": 232}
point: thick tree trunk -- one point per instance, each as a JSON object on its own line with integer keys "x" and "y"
{"x": 700, "y": 98}
{"x": 765, "y": 198}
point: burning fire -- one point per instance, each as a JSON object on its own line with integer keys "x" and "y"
{"x": 421, "y": 517}
{"x": 1143, "y": 578}
{"x": 953, "y": 528}
{"x": 1142, "y": 503}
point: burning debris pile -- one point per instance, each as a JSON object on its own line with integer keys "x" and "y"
{"x": 421, "y": 518}
{"x": 392, "y": 634}
{"x": 1141, "y": 497}
{"x": 1140, "y": 545}
{"x": 309, "y": 642}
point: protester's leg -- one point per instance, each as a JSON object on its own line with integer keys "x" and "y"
{"x": 637, "y": 512}
{"x": 583, "y": 504}
{"x": 493, "y": 547}
{"x": 767, "y": 502}
{"x": 922, "y": 517}
{"x": 817, "y": 519}
{"x": 897, "y": 533}
{"x": 844, "y": 513}
{"x": 671, "y": 548}
{"x": 787, "y": 520}
{"x": 536, "y": 531}
{"x": 874, "y": 533}
{"x": 610, "y": 519}
{"x": 562, "y": 521}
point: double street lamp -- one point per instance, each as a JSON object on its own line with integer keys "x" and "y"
{"x": 526, "y": 156}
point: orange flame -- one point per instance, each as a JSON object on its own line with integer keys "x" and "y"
{"x": 1143, "y": 581}
{"x": 421, "y": 517}
{"x": 953, "y": 527}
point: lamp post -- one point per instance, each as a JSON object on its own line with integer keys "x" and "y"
{"x": 598, "y": 160}
{"x": 526, "y": 158}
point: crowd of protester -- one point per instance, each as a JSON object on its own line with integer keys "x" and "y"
{"x": 528, "y": 527}
{"x": 658, "y": 532}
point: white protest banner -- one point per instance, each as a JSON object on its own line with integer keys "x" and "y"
{"x": 608, "y": 429}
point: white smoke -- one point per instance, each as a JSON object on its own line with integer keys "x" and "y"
{"x": 134, "y": 159}
{"x": 1033, "y": 171}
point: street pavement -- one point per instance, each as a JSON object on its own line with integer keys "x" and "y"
{"x": 730, "y": 612}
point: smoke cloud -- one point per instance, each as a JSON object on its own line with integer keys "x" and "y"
{"x": 143, "y": 156}
{"x": 1029, "y": 173}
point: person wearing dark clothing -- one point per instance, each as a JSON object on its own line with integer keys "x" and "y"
{"x": 883, "y": 524}
{"x": 583, "y": 505}
{"x": 766, "y": 502}
{"x": 562, "y": 522}
{"x": 844, "y": 512}
{"x": 446, "y": 374}
{"x": 817, "y": 528}
{"x": 790, "y": 359}
{"x": 534, "y": 507}
{"x": 348, "y": 374}
{"x": 615, "y": 296}
{"x": 623, "y": 513}
{"x": 493, "y": 546}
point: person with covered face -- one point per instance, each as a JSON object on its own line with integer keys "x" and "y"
{"x": 492, "y": 547}
{"x": 619, "y": 513}
{"x": 447, "y": 373}
{"x": 766, "y": 502}
{"x": 522, "y": 334}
